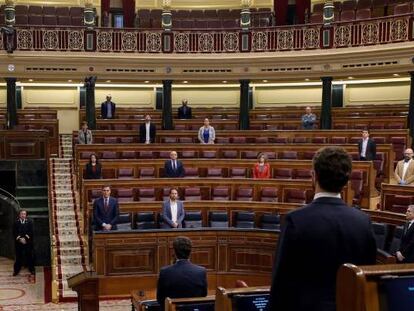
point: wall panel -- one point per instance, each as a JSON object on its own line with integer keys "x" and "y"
{"x": 3, "y": 97}
{"x": 127, "y": 97}
{"x": 282, "y": 96}
{"x": 207, "y": 97}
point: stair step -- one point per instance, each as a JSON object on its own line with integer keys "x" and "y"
{"x": 33, "y": 201}
{"x": 31, "y": 191}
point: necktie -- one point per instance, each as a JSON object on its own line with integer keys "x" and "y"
{"x": 174, "y": 165}
{"x": 86, "y": 137}
{"x": 106, "y": 205}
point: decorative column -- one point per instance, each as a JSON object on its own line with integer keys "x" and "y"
{"x": 9, "y": 13}
{"x": 90, "y": 101}
{"x": 167, "y": 117}
{"x": 11, "y": 103}
{"x": 326, "y": 115}
{"x": 244, "y": 105}
{"x": 411, "y": 109}
{"x": 166, "y": 16}
{"x": 89, "y": 14}
{"x": 328, "y": 18}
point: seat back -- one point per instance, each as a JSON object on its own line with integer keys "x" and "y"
{"x": 238, "y": 172}
{"x": 125, "y": 195}
{"x": 218, "y": 219}
{"x": 270, "y": 221}
{"x": 192, "y": 194}
{"x": 230, "y": 154}
{"x": 283, "y": 173}
{"x": 357, "y": 184}
{"x": 268, "y": 194}
{"x": 125, "y": 173}
{"x": 214, "y": 172}
{"x": 146, "y": 194}
{"x": 147, "y": 172}
{"x": 221, "y": 194}
{"x": 380, "y": 233}
{"x": 289, "y": 155}
{"x": 145, "y": 220}
{"x": 244, "y": 220}
{"x": 296, "y": 196}
{"x": 124, "y": 221}
{"x": 244, "y": 194}
{"x": 303, "y": 174}
{"x": 191, "y": 172}
{"x": 396, "y": 239}
{"x": 193, "y": 219}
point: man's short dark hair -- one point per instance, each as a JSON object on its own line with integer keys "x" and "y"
{"x": 182, "y": 247}
{"x": 332, "y": 166}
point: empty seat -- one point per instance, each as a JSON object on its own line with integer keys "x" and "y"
{"x": 283, "y": 173}
{"x": 185, "y": 140}
{"x": 338, "y": 140}
{"x": 193, "y": 219}
{"x": 200, "y": 24}
{"x": 146, "y": 194}
{"x": 147, "y": 172}
{"x": 340, "y": 126}
{"x": 146, "y": 155}
{"x": 120, "y": 127}
{"x": 316, "y": 18}
{"x": 380, "y": 234}
{"x": 218, "y": 219}
{"x": 86, "y": 154}
{"x": 124, "y": 221}
{"x": 299, "y": 140}
{"x": 77, "y": 21}
{"x": 125, "y": 195}
{"x": 164, "y": 154}
{"x": 295, "y": 196}
{"x": 318, "y": 140}
{"x": 308, "y": 155}
{"x": 62, "y": 11}
{"x": 270, "y": 221}
{"x": 21, "y": 9}
{"x": 192, "y": 194}
{"x": 64, "y": 21}
{"x": 363, "y": 13}
{"x": 402, "y": 8}
{"x": 125, "y": 173}
{"x": 268, "y": 194}
{"x": 22, "y": 19}
{"x": 244, "y": 220}
{"x": 270, "y": 155}
{"x": 110, "y": 140}
{"x": 249, "y": 154}
{"x": 347, "y": 16}
{"x": 379, "y": 140}
{"x": 49, "y": 10}
{"x": 35, "y": 10}
{"x": 220, "y": 194}
{"x": 357, "y": 184}
{"x": 189, "y": 154}
{"x": 214, "y": 172}
{"x": 145, "y": 220}
{"x": 303, "y": 174}
{"x": 209, "y": 154}
{"x": 288, "y": 155}
{"x": 237, "y": 173}
{"x": 127, "y": 140}
{"x": 262, "y": 140}
{"x": 244, "y": 194}
{"x": 170, "y": 140}
{"x": 76, "y": 11}
{"x": 191, "y": 172}
{"x": 94, "y": 194}
{"x": 238, "y": 140}
{"x": 109, "y": 155}
{"x": 223, "y": 140}
{"x": 230, "y": 154}
{"x": 400, "y": 203}
{"x": 50, "y": 20}
{"x": 128, "y": 155}
{"x": 396, "y": 239}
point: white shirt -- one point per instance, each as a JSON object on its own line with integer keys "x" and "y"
{"x": 405, "y": 167}
{"x": 409, "y": 224}
{"x": 327, "y": 195}
{"x": 147, "y": 133}
{"x": 364, "y": 147}
{"x": 173, "y": 205}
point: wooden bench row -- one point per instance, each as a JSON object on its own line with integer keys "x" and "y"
{"x": 396, "y": 198}
{"x": 362, "y": 179}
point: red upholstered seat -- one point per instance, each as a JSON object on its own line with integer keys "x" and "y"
{"x": 377, "y": 126}
{"x": 192, "y": 194}
{"x": 62, "y": 11}
{"x": 109, "y": 155}
{"x": 214, "y": 172}
{"x": 128, "y": 155}
{"x": 238, "y": 172}
{"x": 189, "y": 154}
{"x": 210, "y": 14}
{"x": 318, "y": 7}
{"x": 303, "y": 174}
{"x": 164, "y": 154}
{"x": 262, "y": 140}
{"x": 338, "y": 140}
{"x": 214, "y": 24}
{"x": 283, "y": 173}
{"x": 349, "y": 5}
{"x": 146, "y": 194}
{"x": 402, "y": 8}
{"x": 308, "y": 155}
{"x": 146, "y": 155}
{"x": 379, "y": 140}
{"x": 221, "y": 194}
{"x": 280, "y": 140}
{"x": 120, "y": 127}
{"x": 347, "y": 16}
{"x": 21, "y": 9}
{"x": 22, "y": 20}
{"x": 49, "y": 10}
{"x": 125, "y": 173}
{"x": 319, "y": 140}
{"x": 170, "y": 140}
{"x": 268, "y": 194}
{"x": 185, "y": 140}
{"x": 270, "y": 155}
{"x": 50, "y": 20}
{"x": 191, "y": 172}
{"x": 230, "y": 154}
{"x": 238, "y": 140}
{"x": 209, "y": 154}
{"x": 127, "y": 140}
{"x": 200, "y": 24}
{"x": 340, "y": 126}
{"x": 394, "y": 126}
{"x": 94, "y": 194}
{"x": 363, "y": 13}
{"x": 76, "y": 11}
{"x": 35, "y": 10}
{"x": 110, "y": 140}
{"x": 64, "y": 21}
{"x": 77, "y": 21}
{"x": 299, "y": 140}
{"x": 288, "y": 155}
{"x": 244, "y": 194}
{"x": 230, "y": 127}
{"x": 223, "y": 140}
{"x": 364, "y": 4}
{"x": 354, "y": 140}
{"x": 400, "y": 203}
{"x": 295, "y": 196}
{"x": 147, "y": 172}
{"x": 357, "y": 184}
{"x": 316, "y": 17}
{"x": 86, "y": 154}
{"x": 125, "y": 195}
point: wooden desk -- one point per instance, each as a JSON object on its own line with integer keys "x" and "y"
{"x": 31, "y": 144}
{"x": 396, "y": 198}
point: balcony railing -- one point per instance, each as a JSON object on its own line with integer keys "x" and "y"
{"x": 391, "y": 29}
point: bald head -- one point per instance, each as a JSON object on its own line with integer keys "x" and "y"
{"x": 408, "y": 154}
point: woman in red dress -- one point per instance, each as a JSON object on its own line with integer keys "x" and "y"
{"x": 262, "y": 168}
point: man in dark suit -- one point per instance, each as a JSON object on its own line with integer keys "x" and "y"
{"x": 108, "y": 108}
{"x": 318, "y": 238}
{"x": 406, "y": 252}
{"x": 23, "y": 240}
{"x": 173, "y": 168}
{"x": 173, "y": 211}
{"x": 184, "y": 112}
{"x": 367, "y": 149}
{"x": 147, "y": 131}
{"x": 105, "y": 211}
{"x": 182, "y": 279}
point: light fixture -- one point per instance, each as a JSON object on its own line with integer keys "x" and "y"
{"x": 30, "y": 80}
{"x": 350, "y": 78}
{"x": 307, "y": 79}
{"x": 264, "y": 81}
{"x": 224, "y": 81}
{"x": 146, "y": 81}
{"x": 396, "y": 75}
{"x": 70, "y": 81}
{"x": 108, "y": 81}
{"x": 185, "y": 81}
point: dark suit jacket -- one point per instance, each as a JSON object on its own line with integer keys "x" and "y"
{"x": 23, "y": 231}
{"x": 186, "y": 115}
{"x": 90, "y": 174}
{"x": 407, "y": 244}
{"x": 166, "y": 214}
{"x": 101, "y": 216}
{"x": 315, "y": 241}
{"x": 181, "y": 280}
{"x": 169, "y": 172}
{"x": 104, "y": 110}
{"x": 371, "y": 151}
{"x": 142, "y": 133}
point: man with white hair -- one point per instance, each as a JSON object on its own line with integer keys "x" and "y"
{"x": 308, "y": 119}
{"x": 404, "y": 172}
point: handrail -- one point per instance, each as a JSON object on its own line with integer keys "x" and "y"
{"x": 373, "y": 31}
{"x": 8, "y": 194}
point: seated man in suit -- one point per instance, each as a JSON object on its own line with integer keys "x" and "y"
{"x": 23, "y": 240}
{"x": 405, "y": 253}
{"x": 367, "y": 149}
{"x": 147, "y": 131}
{"x": 318, "y": 238}
{"x": 85, "y": 134}
{"x": 404, "y": 171}
{"x": 184, "y": 112}
{"x": 105, "y": 211}
{"x": 182, "y": 279}
{"x": 173, "y": 168}
{"x": 108, "y": 108}
{"x": 173, "y": 211}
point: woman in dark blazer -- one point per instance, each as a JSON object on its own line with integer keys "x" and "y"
{"x": 93, "y": 168}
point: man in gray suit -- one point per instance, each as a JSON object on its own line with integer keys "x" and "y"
{"x": 173, "y": 211}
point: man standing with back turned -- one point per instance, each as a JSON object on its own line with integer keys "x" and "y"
{"x": 317, "y": 239}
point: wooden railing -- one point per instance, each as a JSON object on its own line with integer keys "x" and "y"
{"x": 384, "y": 30}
